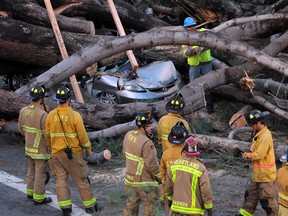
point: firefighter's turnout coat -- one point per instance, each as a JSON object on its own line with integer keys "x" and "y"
{"x": 263, "y": 158}
{"x": 188, "y": 187}
{"x": 165, "y": 125}
{"x": 31, "y": 124}
{"x": 282, "y": 181}
{"x": 141, "y": 159}
{"x": 65, "y": 128}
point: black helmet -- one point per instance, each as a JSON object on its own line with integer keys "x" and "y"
{"x": 37, "y": 92}
{"x": 254, "y": 116}
{"x": 176, "y": 104}
{"x": 63, "y": 94}
{"x": 143, "y": 119}
{"x": 178, "y": 134}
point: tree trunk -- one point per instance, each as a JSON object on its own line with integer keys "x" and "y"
{"x": 34, "y": 14}
{"x": 207, "y": 142}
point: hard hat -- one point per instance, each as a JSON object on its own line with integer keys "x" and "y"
{"x": 37, "y": 92}
{"x": 284, "y": 158}
{"x": 189, "y": 22}
{"x": 176, "y": 104}
{"x": 63, "y": 94}
{"x": 178, "y": 133}
{"x": 254, "y": 116}
{"x": 143, "y": 119}
{"x": 191, "y": 147}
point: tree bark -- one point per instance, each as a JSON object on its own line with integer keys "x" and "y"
{"x": 34, "y": 14}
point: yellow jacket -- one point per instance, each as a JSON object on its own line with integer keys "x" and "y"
{"x": 71, "y": 130}
{"x": 31, "y": 124}
{"x": 196, "y": 60}
{"x": 165, "y": 125}
{"x": 141, "y": 160}
{"x": 282, "y": 181}
{"x": 188, "y": 187}
{"x": 167, "y": 158}
{"x": 263, "y": 158}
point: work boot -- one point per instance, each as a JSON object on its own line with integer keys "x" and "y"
{"x": 67, "y": 211}
{"x": 29, "y": 197}
{"x": 94, "y": 209}
{"x": 45, "y": 201}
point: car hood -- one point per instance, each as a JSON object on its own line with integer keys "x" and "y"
{"x": 156, "y": 75}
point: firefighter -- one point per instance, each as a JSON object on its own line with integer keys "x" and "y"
{"x": 177, "y": 137}
{"x": 282, "y": 184}
{"x": 142, "y": 168}
{"x": 31, "y": 124}
{"x": 174, "y": 107}
{"x": 188, "y": 188}
{"x": 262, "y": 183}
{"x": 68, "y": 139}
{"x": 199, "y": 60}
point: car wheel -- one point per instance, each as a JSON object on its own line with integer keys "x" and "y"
{"x": 108, "y": 98}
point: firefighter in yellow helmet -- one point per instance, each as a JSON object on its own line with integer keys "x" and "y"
{"x": 262, "y": 185}
{"x": 31, "y": 123}
{"x": 68, "y": 139}
{"x": 174, "y": 107}
{"x": 177, "y": 137}
{"x": 142, "y": 168}
{"x": 282, "y": 183}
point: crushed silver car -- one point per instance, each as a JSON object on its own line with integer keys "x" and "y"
{"x": 121, "y": 84}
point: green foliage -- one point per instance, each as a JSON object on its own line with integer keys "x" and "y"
{"x": 201, "y": 126}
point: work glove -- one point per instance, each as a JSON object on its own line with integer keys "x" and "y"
{"x": 238, "y": 152}
{"x": 210, "y": 212}
{"x": 198, "y": 49}
{"x": 246, "y": 155}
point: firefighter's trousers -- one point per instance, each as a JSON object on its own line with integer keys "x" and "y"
{"x": 265, "y": 192}
{"x": 35, "y": 178}
{"x": 77, "y": 168}
{"x": 148, "y": 195}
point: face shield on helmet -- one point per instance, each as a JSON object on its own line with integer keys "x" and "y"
{"x": 178, "y": 134}
{"x": 63, "y": 94}
{"x": 191, "y": 147}
{"x": 254, "y": 116}
{"x": 37, "y": 92}
{"x": 176, "y": 104}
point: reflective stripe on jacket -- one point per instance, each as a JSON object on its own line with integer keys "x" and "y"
{"x": 263, "y": 158}
{"x": 282, "y": 182}
{"x": 165, "y": 125}
{"x": 141, "y": 160}
{"x": 71, "y": 130}
{"x": 197, "y": 59}
{"x": 188, "y": 186}
{"x": 31, "y": 124}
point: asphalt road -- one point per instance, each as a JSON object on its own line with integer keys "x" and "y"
{"x": 12, "y": 184}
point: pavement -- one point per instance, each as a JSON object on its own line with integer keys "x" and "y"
{"x": 13, "y": 198}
